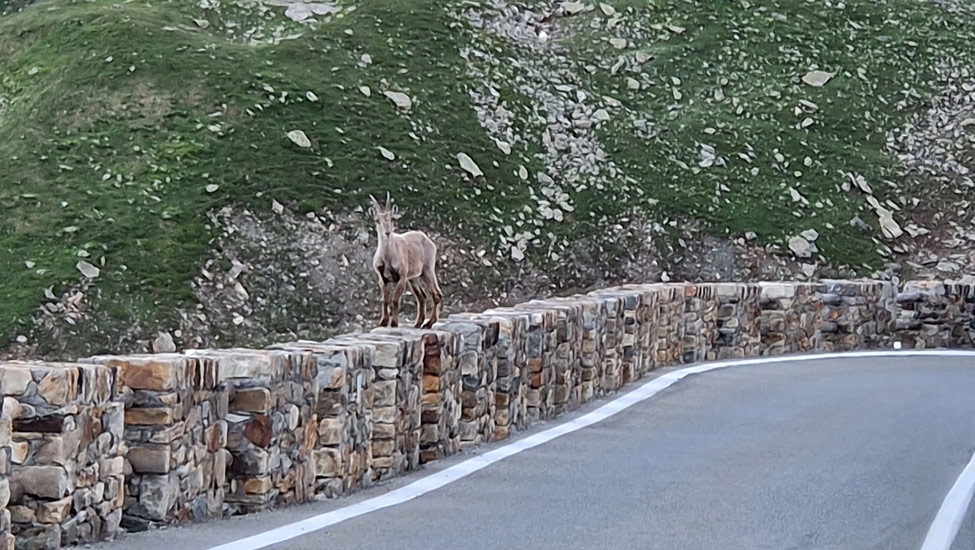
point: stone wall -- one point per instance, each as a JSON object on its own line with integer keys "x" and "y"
{"x": 165, "y": 438}
{"x": 272, "y": 425}
{"x": 176, "y": 434}
{"x": 855, "y": 313}
{"x": 342, "y": 451}
{"x": 936, "y": 314}
{"x": 10, "y": 406}
{"x": 790, "y": 317}
{"x": 66, "y": 447}
{"x": 397, "y": 367}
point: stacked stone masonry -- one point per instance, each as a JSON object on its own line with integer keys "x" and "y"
{"x": 341, "y": 454}
{"x": 66, "y": 451}
{"x": 790, "y": 316}
{"x": 271, "y": 425}
{"x": 397, "y": 366}
{"x": 6, "y": 427}
{"x": 176, "y": 434}
{"x": 126, "y": 442}
{"x": 855, "y": 313}
{"x": 933, "y": 314}
{"x": 737, "y": 331}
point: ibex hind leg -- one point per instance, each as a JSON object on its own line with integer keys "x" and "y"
{"x": 421, "y": 302}
{"x": 429, "y": 279}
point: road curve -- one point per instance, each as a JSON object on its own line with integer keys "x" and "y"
{"x": 849, "y": 454}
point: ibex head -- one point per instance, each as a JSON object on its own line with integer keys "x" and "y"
{"x": 383, "y": 215}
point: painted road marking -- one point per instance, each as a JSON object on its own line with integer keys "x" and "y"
{"x": 953, "y": 510}
{"x": 943, "y": 530}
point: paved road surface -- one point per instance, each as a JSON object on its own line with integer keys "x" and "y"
{"x": 855, "y": 454}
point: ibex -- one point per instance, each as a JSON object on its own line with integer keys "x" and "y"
{"x": 401, "y": 259}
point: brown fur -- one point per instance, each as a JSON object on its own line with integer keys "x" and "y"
{"x": 403, "y": 259}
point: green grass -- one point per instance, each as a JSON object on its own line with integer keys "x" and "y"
{"x": 142, "y": 119}
{"x": 108, "y": 138}
{"x": 763, "y": 51}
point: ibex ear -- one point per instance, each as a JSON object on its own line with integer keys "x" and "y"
{"x": 395, "y": 211}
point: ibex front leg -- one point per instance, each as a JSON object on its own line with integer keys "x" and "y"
{"x": 397, "y": 297}
{"x": 384, "y": 289}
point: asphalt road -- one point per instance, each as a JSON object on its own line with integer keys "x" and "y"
{"x": 850, "y": 454}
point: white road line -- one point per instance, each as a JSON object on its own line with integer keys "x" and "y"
{"x": 463, "y": 469}
{"x": 953, "y": 510}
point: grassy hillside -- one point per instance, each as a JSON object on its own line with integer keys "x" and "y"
{"x": 125, "y": 125}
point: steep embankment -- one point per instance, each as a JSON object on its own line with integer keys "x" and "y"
{"x": 148, "y": 181}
